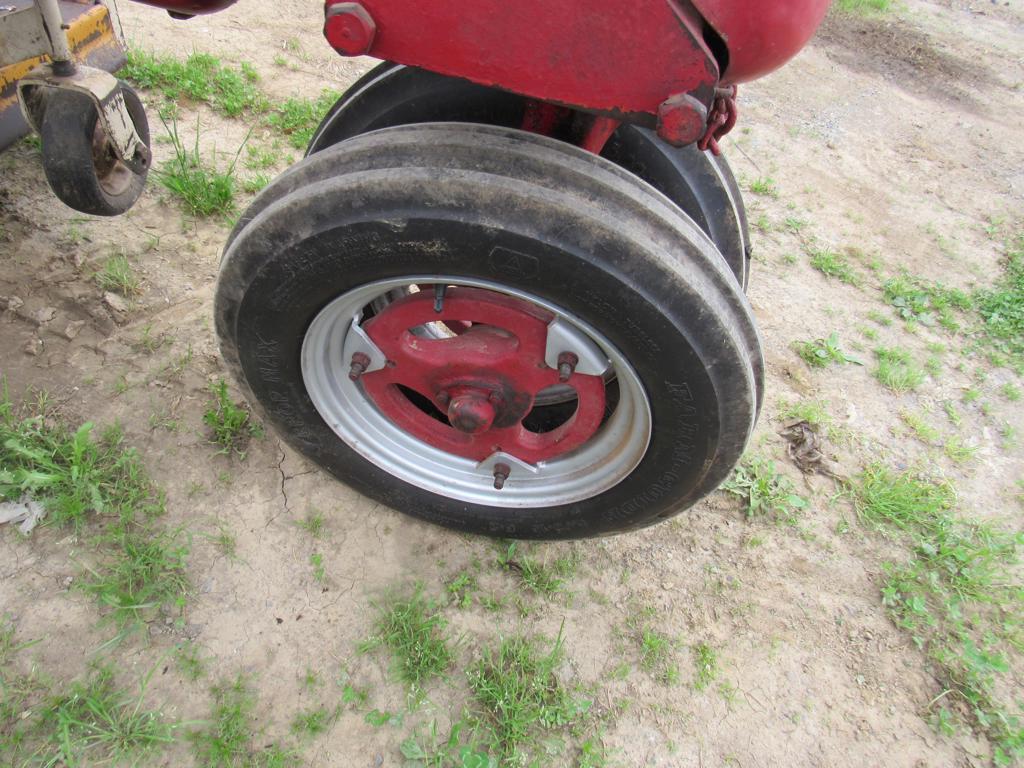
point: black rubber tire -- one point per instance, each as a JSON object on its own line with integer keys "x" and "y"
{"x": 701, "y": 184}
{"x": 430, "y": 199}
{"x": 67, "y": 132}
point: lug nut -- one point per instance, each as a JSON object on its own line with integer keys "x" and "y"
{"x": 360, "y": 361}
{"x": 566, "y": 365}
{"x": 501, "y": 473}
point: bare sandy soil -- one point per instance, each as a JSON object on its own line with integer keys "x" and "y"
{"x": 900, "y": 136}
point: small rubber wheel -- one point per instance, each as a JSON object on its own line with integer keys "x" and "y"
{"x": 403, "y": 304}
{"x": 698, "y": 182}
{"x": 80, "y": 164}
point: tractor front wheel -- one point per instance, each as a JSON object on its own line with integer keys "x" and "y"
{"x": 492, "y": 331}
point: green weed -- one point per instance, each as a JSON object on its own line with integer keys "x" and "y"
{"x": 763, "y": 490}
{"x": 764, "y": 186}
{"x": 926, "y": 303}
{"x": 1002, "y": 306}
{"x": 200, "y": 77}
{"x": 254, "y": 184}
{"x": 821, "y": 352}
{"x": 227, "y": 739}
{"x": 1010, "y": 391}
{"x": 117, "y": 275}
{"x": 70, "y": 473}
{"x": 461, "y": 588}
{"x": 144, "y": 571}
{"x": 204, "y": 190}
{"x": 298, "y": 118}
{"x": 957, "y": 594}
{"x": 95, "y": 722}
{"x": 814, "y": 412}
{"x": 516, "y": 687}
{"x": 863, "y": 7}
{"x": 190, "y": 663}
{"x": 314, "y": 722}
{"x": 705, "y": 661}
{"x": 415, "y": 633}
{"x": 897, "y": 371}
{"x": 313, "y": 524}
{"x": 317, "y": 561}
{"x": 925, "y": 432}
{"x": 231, "y": 423}
{"x": 433, "y": 751}
{"x": 833, "y": 264}
{"x": 538, "y": 577}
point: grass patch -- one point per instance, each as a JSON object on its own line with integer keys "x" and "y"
{"x": 96, "y": 723}
{"x": 863, "y": 7}
{"x": 925, "y": 432}
{"x": 231, "y": 424}
{"x": 822, "y": 352}
{"x": 415, "y": 633}
{"x": 521, "y": 696}
{"x": 958, "y": 594}
{"x": 71, "y": 473}
{"x": 897, "y": 371}
{"x": 140, "y": 568}
{"x": 313, "y": 524}
{"x": 298, "y": 119}
{"x": 927, "y": 303}
{"x": 540, "y": 578}
{"x": 706, "y": 670}
{"x": 764, "y": 491}
{"x": 835, "y": 265}
{"x": 227, "y": 740}
{"x": 117, "y": 275}
{"x": 657, "y": 650}
{"x": 204, "y": 190}
{"x": 764, "y": 186}
{"x": 814, "y": 412}
{"x": 200, "y": 77}
{"x": 1002, "y": 306}
{"x": 144, "y": 571}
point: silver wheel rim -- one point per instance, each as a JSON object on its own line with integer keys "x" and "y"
{"x": 601, "y": 463}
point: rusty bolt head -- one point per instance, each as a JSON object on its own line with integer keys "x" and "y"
{"x": 501, "y": 473}
{"x": 681, "y": 119}
{"x": 359, "y": 363}
{"x": 471, "y": 413}
{"x": 349, "y": 29}
{"x": 567, "y": 362}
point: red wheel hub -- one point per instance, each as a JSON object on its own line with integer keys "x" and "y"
{"x": 483, "y": 379}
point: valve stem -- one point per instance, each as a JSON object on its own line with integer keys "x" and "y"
{"x": 501, "y": 472}
{"x": 360, "y": 361}
{"x": 439, "y": 291}
{"x": 566, "y": 365}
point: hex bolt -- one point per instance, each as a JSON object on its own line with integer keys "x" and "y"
{"x": 567, "y": 362}
{"x": 360, "y": 361}
{"x": 501, "y": 473}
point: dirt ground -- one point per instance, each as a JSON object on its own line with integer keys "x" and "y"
{"x": 899, "y": 135}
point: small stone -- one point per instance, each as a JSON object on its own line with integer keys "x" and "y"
{"x": 45, "y": 315}
{"x": 667, "y": 585}
{"x": 14, "y": 303}
{"x": 73, "y": 328}
{"x": 33, "y": 346}
{"x": 118, "y": 304}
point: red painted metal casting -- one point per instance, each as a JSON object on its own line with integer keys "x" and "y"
{"x": 620, "y": 59}
{"x": 484, "y": 378}
{"x": 761, "y": 36}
